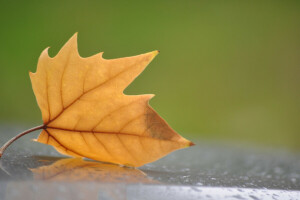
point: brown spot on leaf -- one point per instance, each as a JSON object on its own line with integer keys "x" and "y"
{"x": 157, "y": 127}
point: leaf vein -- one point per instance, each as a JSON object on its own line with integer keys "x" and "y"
{"x": 130, "y": 121}
{"x": 62, "y": 78}
{"x": 97, "y": 86}
{"x": 105, "y": 116}
{"x": 48, "y": 103}
{"x": 62, "y": 145}
{"x": 104, "y": 132}
{"x": 125, "y": 147}
{"x": 102, "y": 144}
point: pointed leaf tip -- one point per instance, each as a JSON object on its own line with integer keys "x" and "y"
{"x": 156, "y": 52}
{"x": 74, "y": 35}
{"x": 192, "y": 144}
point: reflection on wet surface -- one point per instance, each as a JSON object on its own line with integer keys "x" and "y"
{"x": 71, "y": 169}
{"x": 76, "y": 169}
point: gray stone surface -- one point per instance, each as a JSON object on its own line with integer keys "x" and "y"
{"x": 209, "y": 170}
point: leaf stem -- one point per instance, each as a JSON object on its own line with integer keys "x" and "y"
{"x": 3, "y": 148}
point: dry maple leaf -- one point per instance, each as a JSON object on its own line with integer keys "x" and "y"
{"x": 86, "y": 113}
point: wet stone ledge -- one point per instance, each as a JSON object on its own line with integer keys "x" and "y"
{"x": 209, "y": 170}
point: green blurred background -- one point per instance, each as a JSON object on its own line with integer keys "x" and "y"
{"x": 228, "y": 70}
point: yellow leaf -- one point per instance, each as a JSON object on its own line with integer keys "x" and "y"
{"x": 86, "y": 113}
{"x": 76, "y": 169}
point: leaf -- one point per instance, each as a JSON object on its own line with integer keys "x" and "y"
{"x": 86, "y": 113}
{"x": 76, "y": 169}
